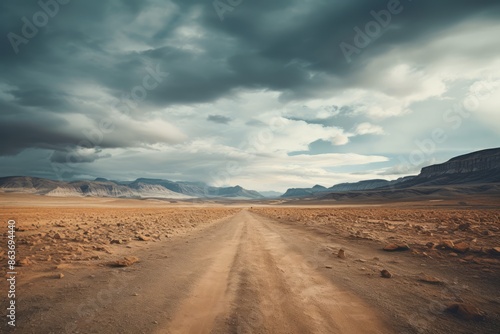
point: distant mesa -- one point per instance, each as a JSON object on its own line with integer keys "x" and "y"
{"x": 470, "y": 173}
{"x": 342, "y": 187}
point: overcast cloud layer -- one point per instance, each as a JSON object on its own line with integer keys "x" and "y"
{"x": 265, "y": 94}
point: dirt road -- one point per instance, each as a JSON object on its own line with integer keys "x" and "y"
{"x": 246, "y": 274}
{"x": 242, "y": 275}
{"x": 261, "y": 285}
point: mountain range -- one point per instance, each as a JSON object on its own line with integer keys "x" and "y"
{"x": 140, "y": 188}
{"x": 342, "y": 187}
{"x": 478, "y": 171}
{"x": 477, "y": 168}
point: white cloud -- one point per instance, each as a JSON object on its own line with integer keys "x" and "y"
{"x": 308, "y": 112}
{"x": 340, "y": 139}
{"x": 368, "y": 128}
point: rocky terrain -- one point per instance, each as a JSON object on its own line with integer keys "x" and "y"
{"x": 49, "y": 236}
{"x": 467, "y": 235}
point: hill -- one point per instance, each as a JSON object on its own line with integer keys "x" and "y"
{"x": 462, "y": 174}
{"x": 140, "y": 188}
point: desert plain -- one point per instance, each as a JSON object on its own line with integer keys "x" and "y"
{"x": 97, "y": 265}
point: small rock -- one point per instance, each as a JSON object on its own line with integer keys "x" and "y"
{"x": 391, "y": 247}
{"x": 58, "y": 236}
{"x": 464, "y": 226}
{"x": 446, "y": 244}
{"x": 125, "y": 262}
{"x": 115, "y": 241}
{"x": 135, "y": 294}
{"x": 465, "y": 311}
{"x": 430, "y": 279}
{"x": 143, "y": 238}
{"x": 341, "y": 254}
{"x": 453, "y": 254}
{"x": 24, "y": 262}
{"x": 461, "y": 247}
{"x": 328, "y": 267}
{"x": 385, "y": 274}
{"x": 396, "y": 247}
{"x": 61, "y": 275}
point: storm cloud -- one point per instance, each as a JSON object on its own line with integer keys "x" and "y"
{"x": 90, "y": 88}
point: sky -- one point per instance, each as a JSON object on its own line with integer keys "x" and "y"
{"x": 268, "y": 95}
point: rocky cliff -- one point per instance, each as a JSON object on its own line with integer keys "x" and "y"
{"x": 476, "y": 168}
{"x": 342, "y": 187}
{"x": 361, "y": 185}
{"x": 486, "y": 160}
{"x": 481, "y": 167}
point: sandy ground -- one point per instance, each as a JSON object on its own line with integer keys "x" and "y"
{"x": 228, "y": 269}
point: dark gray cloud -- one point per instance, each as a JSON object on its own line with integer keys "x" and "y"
{"x": 73, "y": 156}
{"x": 255, "y": 123}
{"x": 219, "y": 119}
